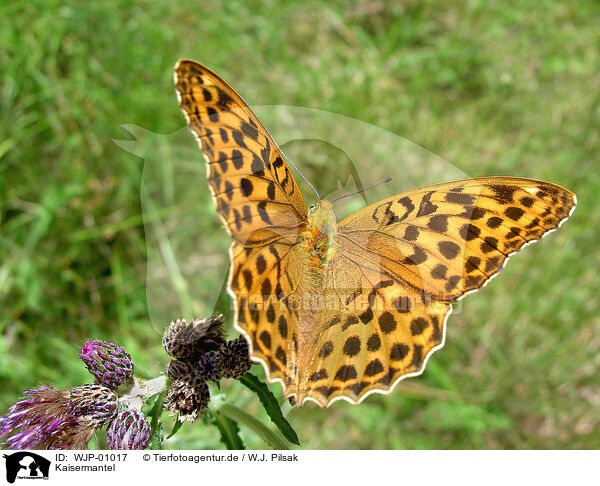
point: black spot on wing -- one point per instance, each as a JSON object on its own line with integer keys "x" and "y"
{"x": 326, "y": 349}
{"x": 265, "y": 338}
{"x": 449, "y": 249}
{"x": 249, "y": 130}
{"x": 502, "y": 193}
{"x": 374, "y": 342}
{"x": 438, "y": 223}
{"x": 283, "y": 326}
{"x": 352, "y": 346}
{"x": 239, "y": 138}
{"x": 411, "y": 233}
{"x": 257, "y": 167}
{"x": 225, "y": 100}
{"x": 387, "y": 323}
{"x": 459, "y": 198}
{"x": 237, "y": 158}
{"x": 426, "y": 207}
{"x": 262, "y": 212}
{"x": 373, "y": 368}
{"x": 346, "y": 373}
{"x": 514, "y": 213}
{"x": 419, "y": 256}
{"x": 246, "y": 186}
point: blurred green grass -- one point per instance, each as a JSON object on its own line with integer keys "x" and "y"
{"x": 496, "y": 88}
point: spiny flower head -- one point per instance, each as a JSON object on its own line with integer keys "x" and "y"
{"x": 234, "y": 358}
{"x": 128, "y": 430}
{"x": 95, "y": 402}
{"x": 178, "y": 368}
{"x": 47, "y": 418}
{"x": 209, "y": 366}
{"x": 187, "y": 340}
{"x": 110, "y": 364}
{"x": 188, "y": 397}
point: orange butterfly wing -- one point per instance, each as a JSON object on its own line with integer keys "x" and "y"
{"x": 260, "y": 204}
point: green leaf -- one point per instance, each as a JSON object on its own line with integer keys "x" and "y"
{"x": 223, "y": 304}
{"x": 238, "y": 415}
{"x": 176, "y": 428}
{"x": 230, "y": 432}
{"x": 271, "y": 406}
{"x": 157, "y": 436}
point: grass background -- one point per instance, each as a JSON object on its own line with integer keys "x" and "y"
{"x": 507, "y": 88}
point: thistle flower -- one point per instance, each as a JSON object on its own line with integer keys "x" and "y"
{"x": 187, "y": 397}
{"x": 178, "y": 368}
{"x": 110, "y": 364}
{"x": 128, "y": 430}
{"x": 187, "y": 340}
{"x": 234, "y": 358}
{"x": 209, "y": 366}
{"x": 47, "y": 418}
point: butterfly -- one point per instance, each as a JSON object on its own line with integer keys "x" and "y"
{"x": 339, "y": 310}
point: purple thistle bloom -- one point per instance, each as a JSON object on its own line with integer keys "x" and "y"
{"x": 42, "y": 420}
{"x": 110, "y": 364}
{"x": 129, "y": 430}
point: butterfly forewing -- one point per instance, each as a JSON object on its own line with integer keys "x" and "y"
{"x": 255, "y": 193}
{"x": 449, "y": 239}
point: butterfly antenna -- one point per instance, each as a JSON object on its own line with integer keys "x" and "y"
{"x": 387, "y": 179}
{"x": 298, "y": 170}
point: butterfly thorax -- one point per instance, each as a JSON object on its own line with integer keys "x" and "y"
{"x": 320, "y": 233}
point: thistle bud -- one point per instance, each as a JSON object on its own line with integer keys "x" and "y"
{"x": 129, "y": 430}
{"x": 110, "y": 364}
{"x": 187, "y": 397}
{"x": 187, "y": 340}
{"x": 234, "y": 358}
{"x": 96, "y": 403}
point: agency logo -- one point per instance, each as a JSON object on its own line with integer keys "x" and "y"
{"x": 26, "y": 465}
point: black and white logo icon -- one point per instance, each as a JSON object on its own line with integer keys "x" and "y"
{"x": 26, "y": 465}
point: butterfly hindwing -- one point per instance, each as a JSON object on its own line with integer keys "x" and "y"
{"x": 261, "y": 279}
{"x": 371, "y": 333}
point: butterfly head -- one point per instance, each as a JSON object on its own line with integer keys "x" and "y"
{"x": 321, "y": 217}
